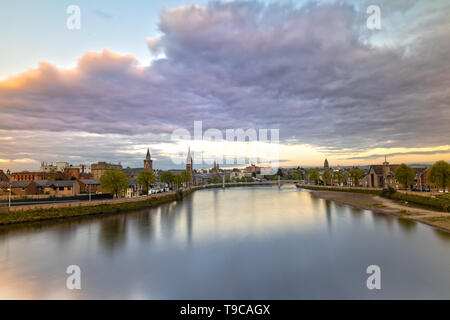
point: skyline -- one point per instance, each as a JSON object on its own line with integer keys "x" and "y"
{"x": 333, "y": 88}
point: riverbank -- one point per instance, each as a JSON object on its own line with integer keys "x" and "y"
{"x": 70, "y": 210}
{"x": 378, "y": 204}
{"x": 59, "y": 211}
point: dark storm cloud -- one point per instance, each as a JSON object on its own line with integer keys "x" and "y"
{"x": 312, "y": 72}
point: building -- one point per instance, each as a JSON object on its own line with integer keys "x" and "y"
{"x": 134, "y": 172}
{"x": 89, "y": 186}
{"x": 97, "y": 169}
{"x": 381, "y": 176}
{"x": 32, "y": 176}
{"x": 326, "y": 167}
{"x": 3, "y": 176}
{"x": 84, "y": 168}
{"x": 422, "y": 181}
{"x": 58, "y": 187}
{"x": 268, "y": 171}
{"x": 252, "y": 169}
{"x": 50, "y": 167}
{"x": 148, "y": 162}
{"x": 21, "y": 188}
{"x": 190, "y": 165}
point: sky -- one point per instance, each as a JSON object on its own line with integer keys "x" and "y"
{"x": 136, "y": 71}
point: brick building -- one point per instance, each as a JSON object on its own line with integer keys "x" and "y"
{"x": 97, "y": 169}
{"x": 32, "y": 176}
{"x": 21, "y": 188}
{"x": 3, "y": 176}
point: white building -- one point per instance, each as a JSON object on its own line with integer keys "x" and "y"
{"x": 267, "y": 171}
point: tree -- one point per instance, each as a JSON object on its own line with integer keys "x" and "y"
{"x": 439, "y": 174}
{"x": 186, "y": 176}
{"x": 167, "y": 177}
{"x": 298, "y": 176}
{"x": 178, "y": 180}
{"x": 146, "y": 178}
{"x": 326, "y": 177}
{"x": 405, "y": 175}
{"x": 114, "y": 181}
{"x": 314, "y": 176}
{"x": 355, "y": 175}
{"x": 338, "y": 176}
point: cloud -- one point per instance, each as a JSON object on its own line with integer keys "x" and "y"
{"x": 394, "y": 154}
{"x": 313, "y": 71}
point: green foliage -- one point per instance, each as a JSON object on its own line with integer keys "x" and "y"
{"x": 145, "y": 179}
{"x": 388, "y": 192}
{"x": 216, "y": 179}
{"x": 437, "y": 203}
{"x": 298, "y": 176}
{"x": 405, "y": 175}
{"x": 338, "y": 176}
{"x": 326, "y": 177}
{"x": 178, "y": 180}
{"x": 355, "y": 175}
{"x": 74, "y": 211}
{"x": 114, "y": 181}
{"x": 186, "y": 176}
{"x": 439, "y": 174}
{"x": 167, "y": 177}
{"x": 344, "y": 189}
{"x": 314, "y": 176}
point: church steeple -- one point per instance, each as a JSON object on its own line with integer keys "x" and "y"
{"x": 189, "y": 157}
{"x": 148, "y": 162}
{"x": 325, "y": 165}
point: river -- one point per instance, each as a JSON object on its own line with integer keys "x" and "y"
{"x": 257, "y": 242}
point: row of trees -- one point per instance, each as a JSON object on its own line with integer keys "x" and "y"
{"x": 355, "y": 176}
{"x": 439, "y": 174}
{"x": 115, "y": 181}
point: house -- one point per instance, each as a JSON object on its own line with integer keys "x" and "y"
{"x": 21, "y": 188}
{"x": 422, "y": 181}
{"x": 133, "y": 190}
{"x": 133, "y": 172}
{"x": 32, "y": 176}
{"x": 97, "y": 169}
{"x": 58, "y": 187}
{"x": 89, "y": 185}
{"x": 3, "y": 176}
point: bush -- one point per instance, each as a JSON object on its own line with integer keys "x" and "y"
{"x": 388, "y": 192}
{"x": 437, "y": 203}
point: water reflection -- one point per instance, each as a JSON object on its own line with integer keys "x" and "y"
{"x": 328, "y": 213}
{"x": 113, "y": 233}
{"x": 241, "y": 243}
{"x": 407, "y": 225}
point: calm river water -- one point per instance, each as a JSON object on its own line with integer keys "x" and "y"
{"x": 237, "y": 243}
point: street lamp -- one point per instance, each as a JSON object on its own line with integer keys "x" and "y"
{"x": 9, "y": 198}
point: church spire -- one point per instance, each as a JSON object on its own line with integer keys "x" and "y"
{"x": 148, "y": 155}
{"x": 189, "y": 157}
